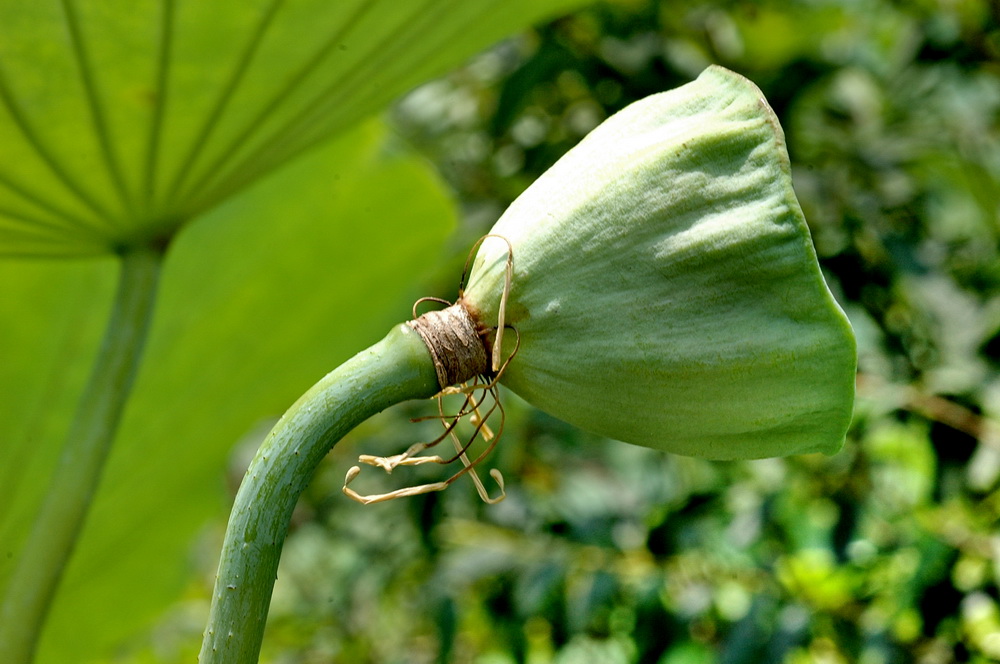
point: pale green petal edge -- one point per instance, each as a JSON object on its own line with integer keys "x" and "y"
{"x": 666, "y": 291}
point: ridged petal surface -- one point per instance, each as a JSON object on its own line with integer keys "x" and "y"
{"x": 666, "y": 291}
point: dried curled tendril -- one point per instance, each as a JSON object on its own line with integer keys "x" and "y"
{"x": 478, "y": 392}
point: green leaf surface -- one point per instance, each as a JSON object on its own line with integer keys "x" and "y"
{"x": 123, "y": 120}
{"x": 270, "y": 292}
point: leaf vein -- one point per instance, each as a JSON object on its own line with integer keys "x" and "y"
{"x": 43, "y": 151}
{"x": 156, "y": 125}
{"x": 283, "y": 145}
{"x": 226, "y": 95}
{"x": 276, "y": 101}
{"x": 97, "y": 116}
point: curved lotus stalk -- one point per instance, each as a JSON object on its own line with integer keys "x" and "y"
{"x": 665, "y": 289}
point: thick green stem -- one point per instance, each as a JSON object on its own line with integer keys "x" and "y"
{"x": 60, "y": 519}
{"x": 396, "y": 369}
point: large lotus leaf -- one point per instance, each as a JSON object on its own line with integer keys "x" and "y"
{"x": 665, "y": 289}
{"x": 124, "y": 119}
{"x": 258, "y": 301}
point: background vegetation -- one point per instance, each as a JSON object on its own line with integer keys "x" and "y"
{"x": 604, "y": 552}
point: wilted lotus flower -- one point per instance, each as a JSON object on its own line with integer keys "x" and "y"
{"x": 657, "y": 285}
{"x": 665, "y": 291}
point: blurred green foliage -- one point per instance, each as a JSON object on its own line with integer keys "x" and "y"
{"x": 602, "y": 552}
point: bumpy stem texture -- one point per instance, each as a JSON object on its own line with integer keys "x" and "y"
{"x": 75, "y": 479}
{"x": 396, "y": 369}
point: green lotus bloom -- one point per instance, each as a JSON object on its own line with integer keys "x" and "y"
{"x": 657, "y": 285}
{"x": 665, "y": 291}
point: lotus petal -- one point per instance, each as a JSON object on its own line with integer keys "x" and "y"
{"x": 665, "y": 288}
